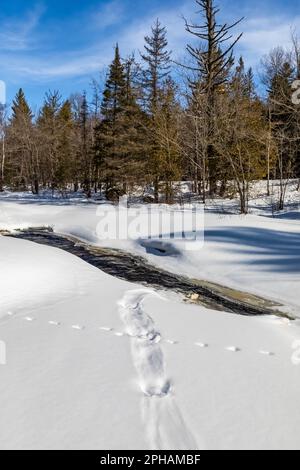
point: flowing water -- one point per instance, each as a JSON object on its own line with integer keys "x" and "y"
{"x": 135, "y": 269}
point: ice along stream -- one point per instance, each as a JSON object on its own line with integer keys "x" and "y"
{"x": 135, "y": 269}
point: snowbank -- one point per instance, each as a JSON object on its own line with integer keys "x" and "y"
{"x": 257, "y": 253}
{"x": 97, "y": 363}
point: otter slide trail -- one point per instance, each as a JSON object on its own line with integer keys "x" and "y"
{"x": 165, "y": 426}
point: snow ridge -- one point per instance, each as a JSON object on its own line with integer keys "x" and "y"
{"x": 165, "y": 426}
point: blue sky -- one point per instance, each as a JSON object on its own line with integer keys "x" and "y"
{"x": 63, "y": 44}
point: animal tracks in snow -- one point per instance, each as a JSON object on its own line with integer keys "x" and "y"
{"x": 53, "y": 323}
{"x": 170, "y": 341}
{"x": 202, "y": 345}
{"x": 233, "y": 349}
{"x": 78, "y": 327}
{"x": 119, "y": 334}
{"x": 267, "y": 353}
{"x": 29, "y": 319}
{"x": 164, "y": 423}
{"x": 140, "y": 328}
{"x": 147, "y": 354}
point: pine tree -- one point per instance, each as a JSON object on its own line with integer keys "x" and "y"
{"x": 24, "y": 155}
{"x": 279, "y": 94}
{"x": 3, "y": 127}
{"x": 21, "y": 112}
{"x": 117, "y": 134}
{"x": 108, "y": 132}
{"x": 134, "y": 122}
{"x": 85, "y": 146}
{"x": 284, "y": 124}
{"x": 47, "y": 127}
{"x": 157, "y": 59}
{"x": 65, "y": 168}
{"x": 167, "y": 125}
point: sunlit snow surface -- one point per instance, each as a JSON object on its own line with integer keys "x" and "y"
{"x": 94, "y": 362}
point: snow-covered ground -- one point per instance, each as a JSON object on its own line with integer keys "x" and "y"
{"x": 258, "y": 253}
{"x": 95, "y": 362}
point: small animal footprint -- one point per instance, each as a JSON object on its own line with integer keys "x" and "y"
{"x": 233, "y": 349}
{"x": 170, "y": 341}
{"x": 154, "y": 337}
{"x": 266, "y": 353}
{"x": 201, "y": 345}
{"x": 29, "y": 319}
{"x": 54, "y": 323}
{"x": 119, "y": 334}
{"x": 78, "y": 327}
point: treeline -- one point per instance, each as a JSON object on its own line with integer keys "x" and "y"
{"x": 148, "y": 130}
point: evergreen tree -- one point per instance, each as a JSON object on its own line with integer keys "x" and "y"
{"x": 117, "y": 134}
{"x": 280, "y": 95}
{"x": 21, "y": 112}
{"x": 3, "y": 126}
{"x": 85, "y": 146}
{"x": 284, "y": 124}
{"x": 48, "y": 127}
{"x": 109, "y": 130}
{"x": 65, "y": 168}
{"x": 24, "y": 155}
{"x": 167, "y": 125}
{"x": 157, "y": 59}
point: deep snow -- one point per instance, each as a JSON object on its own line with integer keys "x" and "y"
{"x": 95, "y": 362}
{"x": 258, "y": 253}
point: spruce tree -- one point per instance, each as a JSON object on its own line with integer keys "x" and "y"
{"x": 22, "y": 142}
{"x": 167, "y": 125}
{"x": 157, "y": 59}
{"x": 284, "y": 123}
{"x": 65, "y": 167}
{"x": 117, "y": 134}
{"x": 85, "y": 146}
{"x": 47, "y": 127}
{"x": 21, "y": 111}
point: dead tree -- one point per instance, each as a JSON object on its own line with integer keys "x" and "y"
{"x": 212, "y": 62}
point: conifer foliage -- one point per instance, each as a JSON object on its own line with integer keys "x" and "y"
{"x": 154, "y": 123}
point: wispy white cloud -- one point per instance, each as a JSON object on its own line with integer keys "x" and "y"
{"x": 17, "y": 34}
{"x": 108, "y": 14}
{"x": 260, "y": 35}
{"x": 90, "y": 59}
{"x": 38, "y": 69}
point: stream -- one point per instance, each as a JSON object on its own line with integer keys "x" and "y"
{"x": 135, "y": 269}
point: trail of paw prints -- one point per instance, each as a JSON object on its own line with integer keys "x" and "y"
{"x": 157, "y": 339}
{"x": 108, "y": 329}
